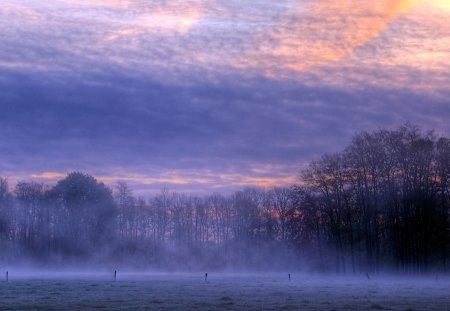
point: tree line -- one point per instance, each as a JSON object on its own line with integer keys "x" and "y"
{"x": 380, "y": 204}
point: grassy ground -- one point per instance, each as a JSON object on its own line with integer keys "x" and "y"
{"x": 221, "y": 292}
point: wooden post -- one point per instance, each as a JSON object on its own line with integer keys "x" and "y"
{"x": 289, "y": 275}
{"x": 206, "y": 277}
{"x": 7, "y": 276}
{"x": 115, "y": 275}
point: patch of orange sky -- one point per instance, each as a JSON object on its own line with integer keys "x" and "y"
{"x": 327, "y": 31}
{"x": 179, "y": 178}
{"x": 321, "y": 33}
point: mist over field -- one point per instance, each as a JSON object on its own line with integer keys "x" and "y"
{"x": 233, "y": 291}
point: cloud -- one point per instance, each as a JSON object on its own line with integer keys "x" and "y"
{"x": 195, "y": 181}
{"x": 126, "y": 90}
{"x": 204, "y": 136}
{"x": 441, "y": 4}
{"x": 69, "y": 35}
{"x": 323, "y": 31}
{"x": 387, "y": 39}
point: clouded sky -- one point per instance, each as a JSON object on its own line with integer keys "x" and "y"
{"x": 211, "y": 95}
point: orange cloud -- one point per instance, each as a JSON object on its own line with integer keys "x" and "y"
{"x": 49, "y": 176}
{"x": 268, "y": 182}
{"x": 204, "y": 178}
{"x": 327, "y": 31}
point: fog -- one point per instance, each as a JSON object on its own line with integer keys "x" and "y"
{"x": 92, "y": 289}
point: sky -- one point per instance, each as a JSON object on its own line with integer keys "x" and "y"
{"x": 211, "y": 96}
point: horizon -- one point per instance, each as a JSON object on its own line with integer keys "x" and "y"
{"x": 51, "y": 179}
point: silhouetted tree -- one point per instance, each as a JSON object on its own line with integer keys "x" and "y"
{"x": 90, "y": 211}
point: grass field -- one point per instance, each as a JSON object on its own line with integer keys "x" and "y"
{"x": 133, "y": 291}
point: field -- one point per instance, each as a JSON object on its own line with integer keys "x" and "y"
{"x": 133, "y": 291}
